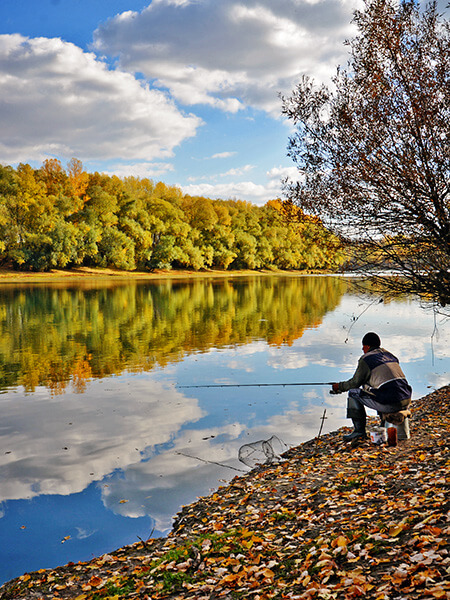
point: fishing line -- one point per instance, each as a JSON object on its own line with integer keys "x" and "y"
{"x": 377, "y": 300}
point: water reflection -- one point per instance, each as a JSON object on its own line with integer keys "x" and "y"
{"x": 84, "y": 473}
{"x": 51, "y": 335}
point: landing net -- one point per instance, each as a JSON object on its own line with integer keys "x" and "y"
{"x": 262, "y": 452}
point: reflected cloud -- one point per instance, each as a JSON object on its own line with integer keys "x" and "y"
{"x": 405, "y": 330}
{"x": 251, "y": 348}
{"x": 199, "y": 459}
{"x": 59, "y": 445}
{"x": 83, "y": 534}
{"x": 191, "y": 467}
{"x": 437, "y": 381}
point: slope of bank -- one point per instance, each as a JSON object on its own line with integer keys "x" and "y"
{"x": 329, "y": 521}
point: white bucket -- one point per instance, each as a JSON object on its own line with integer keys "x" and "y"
{"x": 403, "y": 432}
{"x": 378, "y": 435}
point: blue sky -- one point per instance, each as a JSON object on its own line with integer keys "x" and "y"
{"x": 182, "y": 91}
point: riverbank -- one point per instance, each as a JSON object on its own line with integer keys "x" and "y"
{"x": 329, "y": 521}
{"x": 96, "y": 273}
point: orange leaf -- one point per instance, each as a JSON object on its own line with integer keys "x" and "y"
{"x": 229, "y": 579}
{"x": 440, "y": 594}
{"x": 268, "y": 574}
{"x": 394, "y": 531}
{"x": 340, "y": 541}
{"x": 95, "y": 581}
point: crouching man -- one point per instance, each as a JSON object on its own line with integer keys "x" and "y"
{"x": 378, "y": 383}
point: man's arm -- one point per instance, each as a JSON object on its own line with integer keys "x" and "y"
{"x": 360, "y": 376}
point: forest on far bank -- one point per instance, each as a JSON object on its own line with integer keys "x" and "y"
{"x": 56, "y": 217}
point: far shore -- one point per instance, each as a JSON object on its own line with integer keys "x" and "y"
{"x": 92, "y": 273}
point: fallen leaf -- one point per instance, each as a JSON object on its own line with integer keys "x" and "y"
{"x": 95, "y": 581}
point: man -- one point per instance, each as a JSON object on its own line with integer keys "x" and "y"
{"x": 385, "y": 388}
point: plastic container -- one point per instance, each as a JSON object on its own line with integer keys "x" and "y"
{"x": 378, "y": 435}
{"x": 403, "y": 432}
{"x": 392, "y": 435}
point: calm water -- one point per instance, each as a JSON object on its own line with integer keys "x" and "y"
{"x": 98, "y": 445}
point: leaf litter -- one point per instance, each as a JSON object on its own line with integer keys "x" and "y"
{"x": 330, "y": 521}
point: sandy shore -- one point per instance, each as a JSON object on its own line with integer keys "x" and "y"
{"x": 85, "y": 273}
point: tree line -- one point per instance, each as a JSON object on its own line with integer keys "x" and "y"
{"x": 56, "y": 217}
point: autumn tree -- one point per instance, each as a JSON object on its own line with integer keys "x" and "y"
{"x": 26, "y": 218}
{"x": 210, "y": 230}
{"x": 373, "y": 152}
{"x": 135, "y": 218}
{"x": 53, "y": 217}
{"x": 299, "y": 241}
{"x": 78, "y": 181}
{"x": 168, "y": 230}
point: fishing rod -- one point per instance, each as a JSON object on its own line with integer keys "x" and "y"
{"x": 225, "y": 385}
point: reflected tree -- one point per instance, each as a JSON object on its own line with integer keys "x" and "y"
{"x": 55, "y": 337}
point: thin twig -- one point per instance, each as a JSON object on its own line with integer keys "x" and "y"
{"x": 146, "y": 545}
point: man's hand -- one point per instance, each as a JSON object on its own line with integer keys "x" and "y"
{"x": 335, "y": 388}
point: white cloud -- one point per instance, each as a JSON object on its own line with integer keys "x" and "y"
{"x": 223, "y": 155}
{"x": 258, "y": 193}
{"x": 142, "y": 170}
{"x": 282, "y": 172}
{"x": 230, "y": 54}
{"x": 248, "y": 190}
{"x": 58, "y": 100}
{"x": 238, "y": 171}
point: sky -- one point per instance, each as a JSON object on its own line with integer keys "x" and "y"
{"x": 180, "y": 91}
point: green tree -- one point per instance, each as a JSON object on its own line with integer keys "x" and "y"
{"x": 107, "y": 245}
{"x": 210, "y": 230}
{"x": 28, "y": 215}
{"x": 135, "y": 218}
{"x": 246, "y": 229}
{"x": 222, "y": 238}
{"x": 169, "y": 230}
{"x": 374, "y": 153}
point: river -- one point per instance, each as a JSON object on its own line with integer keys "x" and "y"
{"x": 99, "y": 444}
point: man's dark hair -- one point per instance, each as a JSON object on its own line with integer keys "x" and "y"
{"x": 372, "y": 340}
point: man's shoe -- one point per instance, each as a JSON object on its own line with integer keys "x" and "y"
{"x": 354, "y": 435}
{"x": 359, "y": 430}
